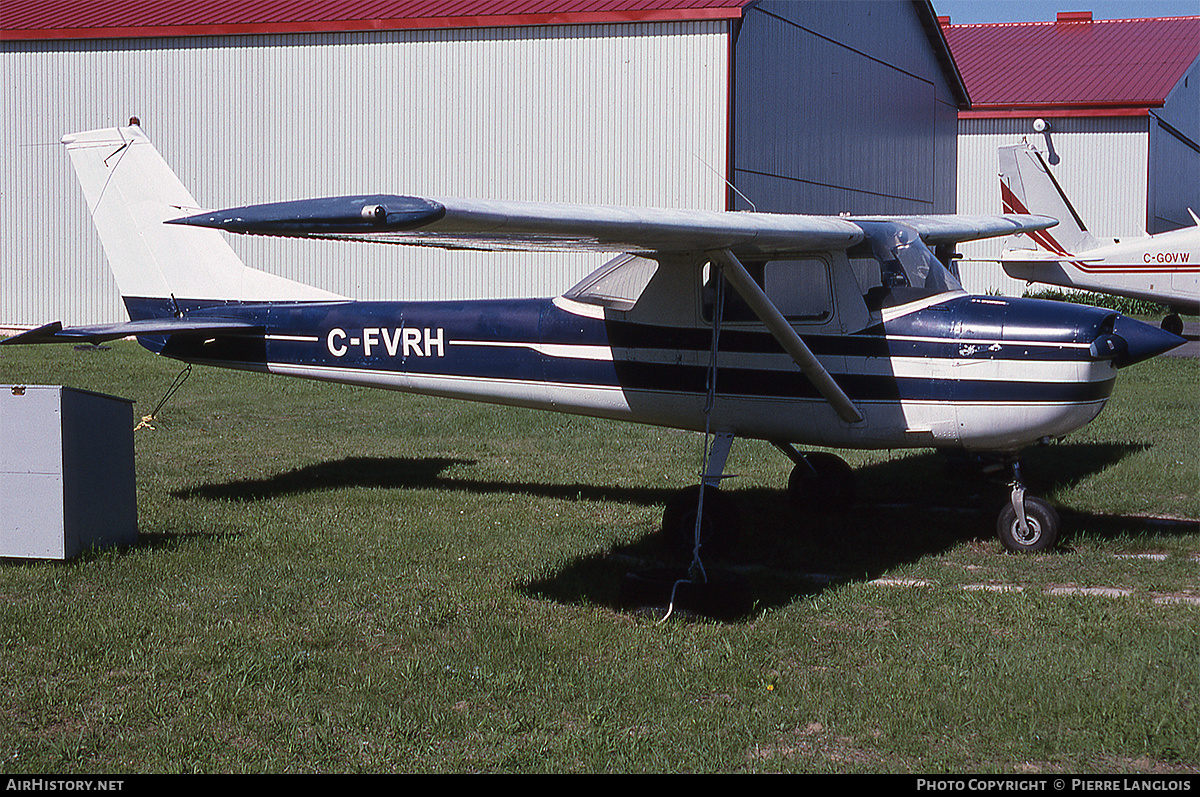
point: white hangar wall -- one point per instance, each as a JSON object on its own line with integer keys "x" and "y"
{"x": 625, "y": 114}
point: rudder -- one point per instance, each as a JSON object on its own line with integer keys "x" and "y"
{"x": 130, "y": 192}
{"x": 1027, "y": 186}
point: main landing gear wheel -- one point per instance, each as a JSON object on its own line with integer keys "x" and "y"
{"x": 1173, "y": 324}
{"x": 690, "y": 588}
{"x": 821, "y": 482}
{"x": 1039, "y": 532}
{"x": 718, "y": 528}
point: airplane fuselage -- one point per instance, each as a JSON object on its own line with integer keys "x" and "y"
{"x": 1163, "y": 268}
{"x": 845, "y": 332}
{"x": 948, "y": 371}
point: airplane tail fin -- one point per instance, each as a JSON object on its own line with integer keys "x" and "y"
{"x": 1028, "y": 186}
{"x": 130, "y": 192}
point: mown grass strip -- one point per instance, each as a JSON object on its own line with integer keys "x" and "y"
{"x": 340, "y": 580}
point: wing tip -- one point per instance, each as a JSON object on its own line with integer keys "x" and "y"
{"x": 327, "y": 215}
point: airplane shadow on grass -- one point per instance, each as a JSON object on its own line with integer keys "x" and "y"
{"x": 907, "y": 508}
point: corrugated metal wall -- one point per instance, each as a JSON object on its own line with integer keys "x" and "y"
{"x": 1101, "y": 163}
{"x": 1175, "y": 156}
{"x": 623, "y": 114}
{"x": 1174, "y": 178}
{"x": 842, "y": 107}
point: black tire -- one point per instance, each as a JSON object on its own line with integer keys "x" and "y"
{"x": 827, "y": 486}
{"x": 719, "y": 528}
{"x": 1043, "y": 522}
{"x": 1173, "y": 324}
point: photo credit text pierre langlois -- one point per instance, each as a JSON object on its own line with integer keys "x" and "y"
{"x": 1151, "y": 784}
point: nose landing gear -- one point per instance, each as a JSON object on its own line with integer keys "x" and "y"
{"x": 1026, "y": 524}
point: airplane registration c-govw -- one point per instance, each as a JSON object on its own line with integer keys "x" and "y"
{"x": 839, "y": 332}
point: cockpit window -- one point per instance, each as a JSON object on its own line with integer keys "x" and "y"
{"x": 615, "y": 285}
{"x": 894, "y": 266}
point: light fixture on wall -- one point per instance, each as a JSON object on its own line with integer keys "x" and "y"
{"x": 1043, "y": 127}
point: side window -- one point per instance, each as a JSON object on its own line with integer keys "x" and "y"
{"x": 736, "y": 309}
{"x": 893, "y": 266}
{"x": 867, "y": 271}
{"x": 800, "y": 289}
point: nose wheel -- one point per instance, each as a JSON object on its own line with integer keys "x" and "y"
{"x": 1026, "y": 524}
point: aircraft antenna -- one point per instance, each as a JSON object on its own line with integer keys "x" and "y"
{"x": 119, "y": 151}
{"x": 724, "y": 179}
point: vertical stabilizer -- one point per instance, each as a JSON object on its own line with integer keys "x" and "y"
{"x": 1028, "y": 186}
{"x": 130, "y": 192}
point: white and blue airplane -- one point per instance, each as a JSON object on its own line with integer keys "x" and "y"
{"x": 1162, "y": 268}
{"x": 834, "y": 332}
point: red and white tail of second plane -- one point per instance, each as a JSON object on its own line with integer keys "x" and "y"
{"x": 1163, "y": 268}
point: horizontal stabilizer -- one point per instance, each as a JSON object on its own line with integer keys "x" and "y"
{"x": 55, "y": 333}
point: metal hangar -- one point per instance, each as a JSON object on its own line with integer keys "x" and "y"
{"x": 1119, "y": 109}
{"x": 816, "y": 107}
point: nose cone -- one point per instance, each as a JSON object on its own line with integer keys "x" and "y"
{"x": 1138, "y": 341}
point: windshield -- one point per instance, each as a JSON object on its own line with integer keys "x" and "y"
{"x": 894, "y": 266}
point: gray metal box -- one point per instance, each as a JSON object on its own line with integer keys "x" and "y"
{"x": 66, "y": 472}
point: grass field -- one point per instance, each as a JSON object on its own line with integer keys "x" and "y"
{"x": 339, "y": 580}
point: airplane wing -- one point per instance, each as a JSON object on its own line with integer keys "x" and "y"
{"x": 503, "y": 225}
{"x": 498, "y": 225}
{"x": 55, "y": 333}
{"x": 652, "y": 232}
{"x": 939, "y": 230}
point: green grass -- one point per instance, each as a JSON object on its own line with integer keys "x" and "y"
{"x": 340, "y": 580}
{"x": 1123, "y": 304}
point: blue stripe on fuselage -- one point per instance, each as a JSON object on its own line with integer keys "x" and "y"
{"x": 500, "y": 340}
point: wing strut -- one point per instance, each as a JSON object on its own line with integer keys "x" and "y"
{"x": 769, "y": 314}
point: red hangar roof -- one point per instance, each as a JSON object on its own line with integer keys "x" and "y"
{"x": 102, "y": 19}
{"x": 1074, "y": 66}
{"x": 57, "y": 20}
